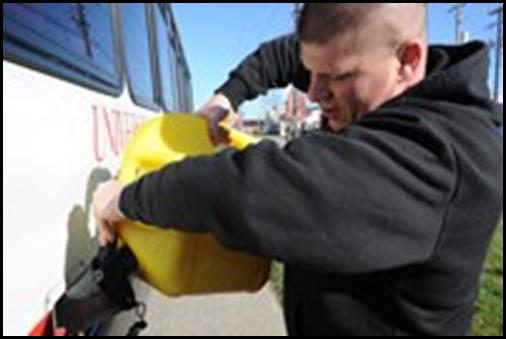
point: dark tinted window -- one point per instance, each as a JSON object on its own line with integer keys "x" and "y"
{"x": 74, "y": 41}
{"x": 165, "y": 60}
{"x": 137, "y": 54}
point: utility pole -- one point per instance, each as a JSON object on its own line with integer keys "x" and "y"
{"x": 297, "y": 7}
{"x": 498, "y": 45}
{"x": 458, "y": 9}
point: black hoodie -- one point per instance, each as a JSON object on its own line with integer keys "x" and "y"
{"x": 383, "y": 227}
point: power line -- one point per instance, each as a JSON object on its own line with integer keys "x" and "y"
{"x": 241, "y": 45}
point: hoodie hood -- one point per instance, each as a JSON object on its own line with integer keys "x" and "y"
{"x": 460, "y": 74}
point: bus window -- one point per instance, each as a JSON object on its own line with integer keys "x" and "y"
{"x": 165, "y": 59}
{"x": 182, "y": 78}
{"x": 181, "y": 85}
{"x": 177, "y": 73}
{"x": 74, "y": 41}
{"x": 137, "y": 54}
{"x": 174, "y": 67}
{"x": 188, "y": 92}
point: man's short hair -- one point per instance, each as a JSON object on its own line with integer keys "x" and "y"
{"x": 320, "y": 22}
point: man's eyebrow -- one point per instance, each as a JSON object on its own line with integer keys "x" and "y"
{"x": 336, "y": 70}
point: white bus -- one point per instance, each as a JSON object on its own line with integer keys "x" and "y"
{"x": 77, "y": 81}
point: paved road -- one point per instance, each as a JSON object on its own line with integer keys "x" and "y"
{"x": 257, "y": 314}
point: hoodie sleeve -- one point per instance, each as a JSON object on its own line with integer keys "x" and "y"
{"x": 371, "y": 198}
{"x": 274, "y": 64}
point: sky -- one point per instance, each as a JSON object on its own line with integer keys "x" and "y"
{"x": 216, "y": 37}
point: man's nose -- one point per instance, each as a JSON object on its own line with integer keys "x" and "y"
{"x": 318, "y": 90}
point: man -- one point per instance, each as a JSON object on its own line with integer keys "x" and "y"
{"x": 383, "y": 219}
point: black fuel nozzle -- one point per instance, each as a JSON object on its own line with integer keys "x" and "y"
{"x": 99, "y": 292}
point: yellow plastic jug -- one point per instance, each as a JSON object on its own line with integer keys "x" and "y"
{"x": 174, "y": 262}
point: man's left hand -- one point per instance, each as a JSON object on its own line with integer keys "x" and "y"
{"x": 106, "y": 210}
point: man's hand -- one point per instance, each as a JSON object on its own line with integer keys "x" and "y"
{"x": 106, "y": 210}
{"x": 217, "y": 110}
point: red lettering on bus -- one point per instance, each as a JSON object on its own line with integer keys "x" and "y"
{"x": 112, "y": 128}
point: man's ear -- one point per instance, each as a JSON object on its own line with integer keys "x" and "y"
{"x": 410, "y": 59}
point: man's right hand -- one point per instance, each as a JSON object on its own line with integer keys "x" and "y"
{"x": 216, "y": 111}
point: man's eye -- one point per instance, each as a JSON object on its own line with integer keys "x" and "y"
{"x": 341, "y": 77}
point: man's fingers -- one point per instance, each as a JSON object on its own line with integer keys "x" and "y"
{"x": 106, "y": 233}
{"x": 102, "y": 238}
{"x": 216, "y": 111}
{"x": 219, "y": 135}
